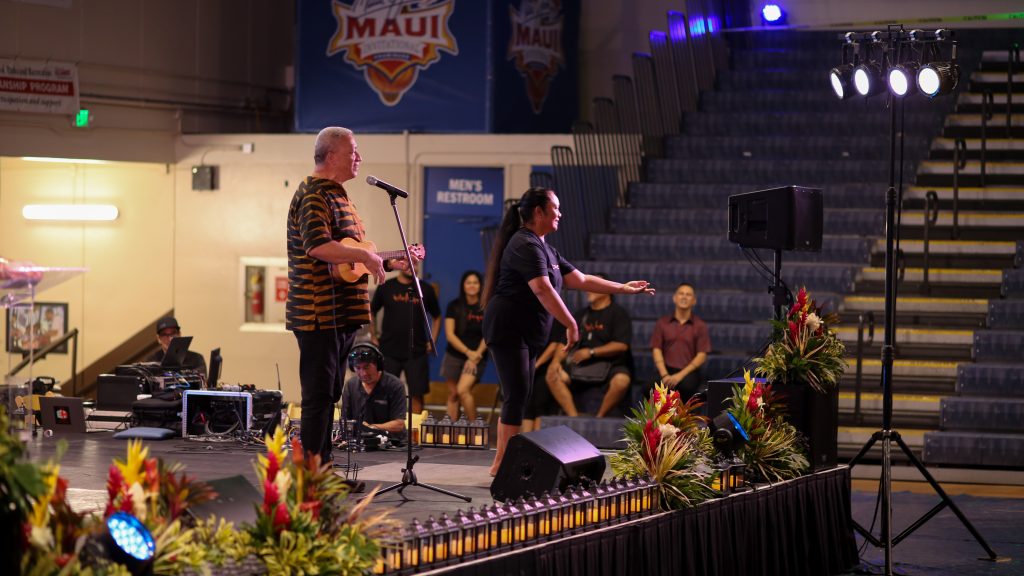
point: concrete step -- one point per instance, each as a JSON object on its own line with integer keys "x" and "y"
{"x": 942, "y": 143}
{"x": 973, "y": 193}
{"x": 920, "y": 305}
{"x": 968, "y": 219}
{"x": 905, "y": 369}
{"x": 917, "y": 337}
{"x": 953, "y": 276}
{"x": 971, "y": 167}
{"x": 954, "y": 247}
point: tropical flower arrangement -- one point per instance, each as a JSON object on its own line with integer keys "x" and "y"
{"x": 667, "y": 440}
{"x": 775, "y": 450}
{"x": 304, "y": 525}
{"x": 804, "y": 348}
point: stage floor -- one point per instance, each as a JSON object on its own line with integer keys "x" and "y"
{"x": 941, "y": 547}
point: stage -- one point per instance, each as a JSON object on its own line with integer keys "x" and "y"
{"x": 796, "y": 527}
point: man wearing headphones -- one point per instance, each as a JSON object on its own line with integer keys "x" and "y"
{"x": 373, "y": 397}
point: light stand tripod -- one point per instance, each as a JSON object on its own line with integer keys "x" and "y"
{"x": 887, "y": 435}
{"x": 408, "y": 474}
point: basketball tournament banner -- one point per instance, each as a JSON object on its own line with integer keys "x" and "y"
{"x": 437, "y": 65}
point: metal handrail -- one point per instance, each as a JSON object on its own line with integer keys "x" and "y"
{"x": 959, "y": 163}
{"x": 987, "y": 104}
{"x": 931, "y": 217}
{"x": 40, "y": 354}
{"x": 868, "y": 317}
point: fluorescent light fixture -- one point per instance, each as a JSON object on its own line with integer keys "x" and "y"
{"x": 77, "y": 212}
{"x": 63, "y": 160}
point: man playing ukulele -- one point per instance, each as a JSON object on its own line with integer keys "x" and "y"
{"x": 324, "y": 313}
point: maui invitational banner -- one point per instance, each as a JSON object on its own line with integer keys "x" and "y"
{"x": 437, "y": 65}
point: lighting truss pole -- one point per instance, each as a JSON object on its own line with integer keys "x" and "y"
{"x": 894, "y": 45}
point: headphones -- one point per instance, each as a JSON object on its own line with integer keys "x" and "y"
{"x": 365, "y": 352}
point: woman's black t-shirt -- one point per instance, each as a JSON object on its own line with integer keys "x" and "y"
{"x": 469, "y": 320}
{"x": 514, "y": 316}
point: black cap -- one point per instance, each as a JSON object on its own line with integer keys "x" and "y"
{"x": 165, "y": 323}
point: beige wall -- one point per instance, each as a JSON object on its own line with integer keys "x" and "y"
{"x": 130, "y": 260}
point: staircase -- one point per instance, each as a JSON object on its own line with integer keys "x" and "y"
{"x": 772, "y": 120}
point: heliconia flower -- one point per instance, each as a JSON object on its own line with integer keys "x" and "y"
{"x": 653, "y": 436}
{"x": 272, "y": 466}
{"x": 748, "y": 387}
{"x": 270, "y": 496}
{"x": 115, "y": 481}
{"x": 311, "y": 506}
{"x": 755, "y": 401}
{"x": 281, "y": 517}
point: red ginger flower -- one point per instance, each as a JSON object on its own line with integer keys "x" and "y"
{"x": 272, "y": 466}
{"x": 270, "y": 496}
{"x": 794, "y": 332}
{"x": 753, "y": 403}
{"x": 653, "y": 435}
{"x": 281, "y": 517}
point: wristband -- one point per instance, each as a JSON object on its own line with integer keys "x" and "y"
{"x": 591, "y": 352}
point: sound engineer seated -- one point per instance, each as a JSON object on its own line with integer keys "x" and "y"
{"x": 167, "y": 328}
{"x": 373, "y": 397}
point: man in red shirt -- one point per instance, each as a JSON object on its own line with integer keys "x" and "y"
{"x": 680, "y": 344}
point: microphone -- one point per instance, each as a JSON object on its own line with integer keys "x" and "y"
{"x": 386, "y": 187}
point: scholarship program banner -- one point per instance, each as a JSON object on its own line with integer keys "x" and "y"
{"x": 38, "y": 86}
{"x": 393, "y": 65}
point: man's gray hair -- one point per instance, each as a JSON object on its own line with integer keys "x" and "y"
{"x": 326, "y": 140}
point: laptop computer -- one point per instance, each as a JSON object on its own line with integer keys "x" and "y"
{"x": 62, "y": 414}
{"x": 176, "y": 350}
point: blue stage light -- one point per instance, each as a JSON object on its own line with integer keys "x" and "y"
{"x": 130, "y": 538}
{"x": 773, "y": 15}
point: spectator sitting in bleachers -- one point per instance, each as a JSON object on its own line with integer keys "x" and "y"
{"x": 680, "y": 344}
{"x": 605, "y": 336}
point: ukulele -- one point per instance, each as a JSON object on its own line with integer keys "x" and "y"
{"x": 352, "y": 271}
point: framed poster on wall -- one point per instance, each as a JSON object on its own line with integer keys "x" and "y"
{"x": 31, "y": 328}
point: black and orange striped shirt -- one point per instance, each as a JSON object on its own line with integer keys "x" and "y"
{"x": 320, "y": 212}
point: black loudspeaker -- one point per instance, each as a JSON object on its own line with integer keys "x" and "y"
{"x": 788, "y": 218}
{"x": 814, "y": 415}
{"x": 235, "y": 501}
{"x": 545, "y": 460}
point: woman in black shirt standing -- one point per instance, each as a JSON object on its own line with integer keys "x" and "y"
{"x": 524, "y": 276}
{"x": 464, "y": 359}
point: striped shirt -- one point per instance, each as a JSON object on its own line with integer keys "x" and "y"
{"x": 320, "y": 212}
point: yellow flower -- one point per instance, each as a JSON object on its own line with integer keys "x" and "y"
{"x": 138, "y": 496}
{"x": 133, "y": 468}
{"x": 41, "y": 509}
{"x": 748, "y": 387}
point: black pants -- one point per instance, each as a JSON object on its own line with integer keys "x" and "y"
{"x": 690, "y": 385}
{"x": 322, "y": 355}
{"x": 515, "y": 375}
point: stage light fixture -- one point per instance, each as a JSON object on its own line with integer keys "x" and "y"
{"x": 867, "y": 78}
{"x": 902, "y": 79}
{"x": 727, "y": 433}
{"x": 773, "y": 15}
{"x": 842, "y": 80}
{"x": 938, "y": 78}
{"x": 130, "y": 543}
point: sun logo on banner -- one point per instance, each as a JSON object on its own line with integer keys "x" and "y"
{"x": 392, "y": 40}
{"x": 536, "y": 46}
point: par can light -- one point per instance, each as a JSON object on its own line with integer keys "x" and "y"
{"x": 938, "y": 78}
{"x": 842, "y": 80}
{"x": 867, "y": 78}
{"x": 902, "y": 79}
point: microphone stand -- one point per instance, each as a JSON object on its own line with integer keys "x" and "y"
{"x": 408, "y": 474}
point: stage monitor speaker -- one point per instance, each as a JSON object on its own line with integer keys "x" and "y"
{"x": 545, "y": 460}
{"x": 236, "y": 501}
{"x": 814, "y": 415}
{"x": 787, "y": 218}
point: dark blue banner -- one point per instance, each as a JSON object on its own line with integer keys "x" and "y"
{"x": 437, "y": 65}
{"x": 464, "y": 191}
{"x": 389, "y": 66}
